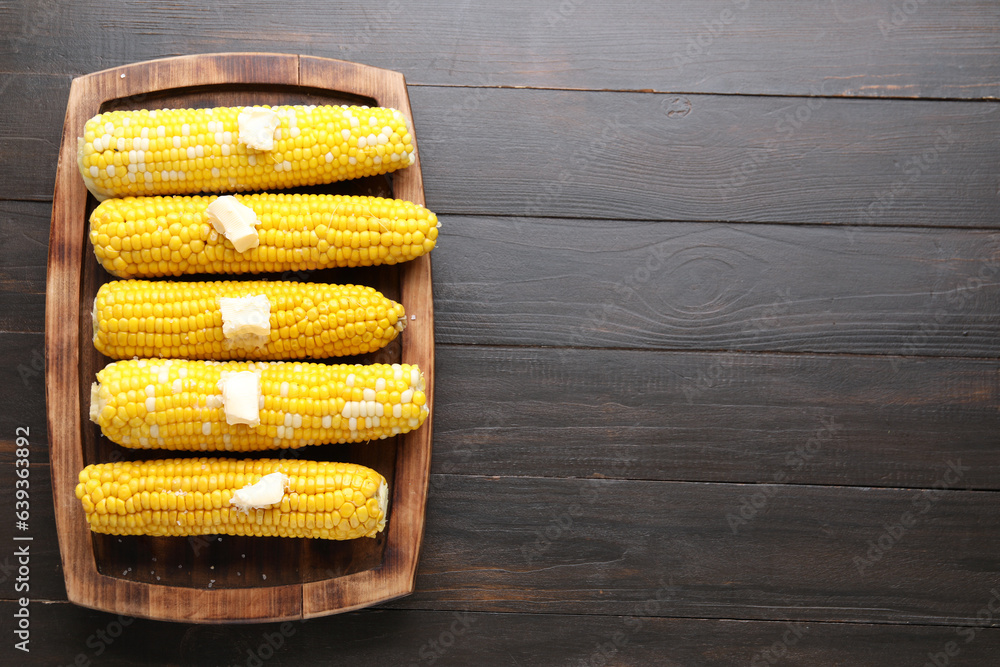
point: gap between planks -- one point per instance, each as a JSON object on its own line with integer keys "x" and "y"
{"x": 707, "y": 619}
{"x": 759, "y": 353}
{"x": 635, "y": 91}
{"x": 784, "y": 223}
{"x": 692, "y": 93}
{"x": 645, "y": 480}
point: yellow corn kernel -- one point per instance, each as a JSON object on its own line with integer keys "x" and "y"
{"x": 298, "y": 514}
{"x": 186, "y": 151}
{"x": 304, "y": 320}
{"x": 296, "y": 232}
{"x": 178, "y": 405}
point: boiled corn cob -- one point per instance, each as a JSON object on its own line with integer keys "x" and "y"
{"x": 186, "y": 151}
{"x": 185, "y": 320}
{"x": 200, "y": 496}
{"x": 179, "y": 405}
{"x": 146, "y": 237}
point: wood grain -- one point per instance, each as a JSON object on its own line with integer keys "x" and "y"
{"x": 588, "y": 546}
{"x": 725, "y": 158}
{"x": 845, "y": 47}
{"x": 218, "y": 579}
{"x": 23, "y": 248}
{"x": 756, "y": 418}
{"x": 690, "y": 390}
{"x": 602, "y": 546}
{"x": 22, "y": 392}
{"x": 453, "y": 639}
{"x": 45, "y": 577}
{"x": 602, "y": 283}
{"x": 678, "y": 416}
{"x": 913, "y": 291}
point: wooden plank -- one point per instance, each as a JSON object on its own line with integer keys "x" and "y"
{"x": 677, "y": 286}
{"x": 29, "y": 142}
{"x": 731, "y": 158}
{"x": 599, "y": 546}
{"x": 716, "y": 417}
{"x": 395, "y": 637}
{"x": 45, "y": 579}
{"x": 845, "y": 47}
{"x": 674, "y": 415}
{"x": 22, "y": 392}
{"x": 593, "y": 546}
{"x": 715, "y": 286}
{"x": 638, "y": 156}
{"x": 23, "y": 248}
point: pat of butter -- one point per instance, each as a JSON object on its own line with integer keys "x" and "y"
{"x": 241, "y": 397}
{"x": 245, "y": 315}
{"x": 383, "y": 502}
{"x": 257, "y": 126}
{"x": 270, "y": 489}
{"x": 96, "y": 404}
{"x": 235, "y": 221}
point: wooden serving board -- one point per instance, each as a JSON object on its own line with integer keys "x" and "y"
{"x": 227, "y": 579}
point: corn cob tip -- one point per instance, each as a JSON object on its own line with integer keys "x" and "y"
{"x": 88, "y": 180}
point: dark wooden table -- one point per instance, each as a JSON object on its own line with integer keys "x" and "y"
{"x": 718, "y": 303}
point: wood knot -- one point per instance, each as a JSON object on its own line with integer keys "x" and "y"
{"x": 676, "y": 107}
